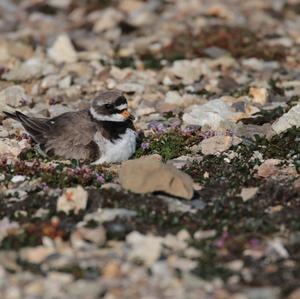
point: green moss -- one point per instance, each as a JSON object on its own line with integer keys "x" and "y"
{"x": 169, "y": 145}
{"x": 124, "y": 62}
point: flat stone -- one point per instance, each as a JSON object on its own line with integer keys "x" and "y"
{"x": 248, "y": 193}
{"x": 150, "y": 174}
{"x": 218, "y": 144}
{"x": 62, "y": 50}
{"x": 73, "y": 199}
{"x": 268, "y": 168}
{"x": 146, "y": 248}
{"x": 259, "y": 95}
{"x": 30, "y": 69}
{"x": 13, "y": 97}
{"x": 36, "y": 255}
{"x": 288, "y": 120}
{"x": 10, "y": 148}
{"x": 212, "y": 114}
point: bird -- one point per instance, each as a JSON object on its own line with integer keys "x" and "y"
{"x": 102, "y": 133}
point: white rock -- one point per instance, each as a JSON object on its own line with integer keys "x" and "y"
{"x": 4, "y": 53}
{"x": 65, "y": 82}
{"x": 13, "y": 96}
{"x": 10, "y": 148}
{"x": 60, "y": 3}
{"x": 106, "y": 215}
{"x": 6, "y": 227}
{"x": 288, "y": 120}
{"x": 30, "y": 69}
{"x": 218, "y": 144}
{"x": 248, "y": 193}
{"x": 189, "y": 70}
{"x": 276, "y": 247}
{"x": 108, "y": 19}
{"x": 62, "y": 50}
{"x": 94, "y": 235}
{"x": 131, "y": 87}
{"x": 73, "y": 199}
{"x": 18, "y": 179}
{"x": 173, "y": 97}
{"x": 50, "y": 81}
{"x": 212, "y": 114}
{"x": 36, "y": 255}
{"x": 145, "y": 248}
{"x": 259, "y": 64}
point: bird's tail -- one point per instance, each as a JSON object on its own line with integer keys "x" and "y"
{"x": 11, "y": 115}
{"x": 33, "y": 126}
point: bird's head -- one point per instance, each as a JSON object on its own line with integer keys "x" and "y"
{"x": 110, "y": 105}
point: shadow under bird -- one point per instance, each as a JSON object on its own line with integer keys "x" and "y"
{"x": 104, "y": 133}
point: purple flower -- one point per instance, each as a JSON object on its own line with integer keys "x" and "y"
{"x": 254, "y": 242}
{"x": 44, "y": 186}
{"x": 220, "y": 243}
{"x": 157, "y": 127}
{"x": 145, "y": 145}
{"x": 100, "y": 178}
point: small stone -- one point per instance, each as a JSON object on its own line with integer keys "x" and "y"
{"x": 108, "y": 19}
{"x": 4, "y": 52}
{"x": 297, "y": 184}
{"x": 268, "y": 168}
{"x": 30, "y": 69}
{"x": 145, "y": 248}
{"x": 18, "y": 179}
{"x": 188, "y": 70}
{"x": 131, "y": 87}
{"x": 288, "y": 120}
{"x": 73, "y": 199}
{"x": 13, "y": 96}
{"x": 295, "y": 294}
{"x": 10, "y": 148}
{"x": 263, "y": 293}
{"x": 248, "y": 193}
{"x": 111, "y": 270}
{"x": 204, "y": 234}
{"x": 7, "y": 227}
{"x": 259, "y": 95}
{"x": 50, "y": 81}
{"x": 36, "y": 255}
{"x": 211, "y": 114}
{"x": 215, "y": 52}
{"x": 111, "y": 186}
{"x": 181, "y": 161}
{"x": 95, "y": 235}
{"x": 65, "y": 82}
{"x": 62, "y": 50}
{"x": 175, "y": 205}
{"x": 218, "y": 144}
{"x": 173, "y": 97}
{"x": 150, "y": 174}
{"x": 107, "y": 215}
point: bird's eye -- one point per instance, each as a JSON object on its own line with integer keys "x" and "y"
{"x": 108, "y": 106}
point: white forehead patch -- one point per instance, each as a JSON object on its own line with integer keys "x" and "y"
{"x": 114, "y": 117}
{"x": 122, "y": 107}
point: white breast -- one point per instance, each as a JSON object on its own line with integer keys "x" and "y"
{"x": 119, "y": 150}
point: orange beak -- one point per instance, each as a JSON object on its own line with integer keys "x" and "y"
{"x": 127, "y": 115}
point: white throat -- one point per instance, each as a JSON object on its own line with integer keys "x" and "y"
{"x": 114, "y": 117}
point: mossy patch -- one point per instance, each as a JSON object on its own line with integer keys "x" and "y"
{"x": 169, "y": 144}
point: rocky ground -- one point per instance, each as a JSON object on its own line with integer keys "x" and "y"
{"x": 209, "y": 206}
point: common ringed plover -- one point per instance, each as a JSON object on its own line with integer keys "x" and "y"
{"x": 104, "y": 133}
